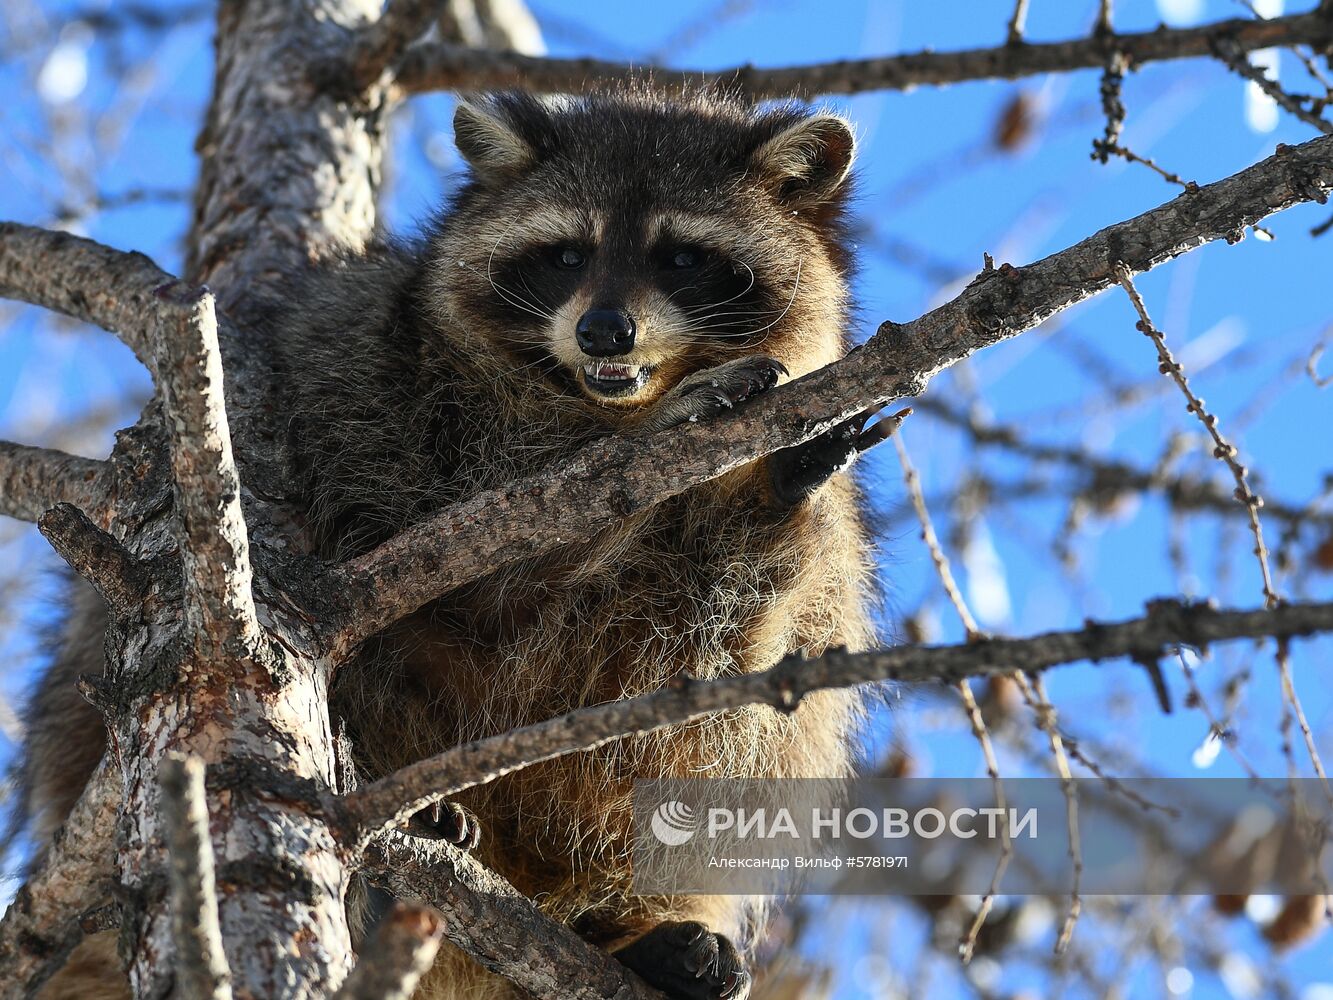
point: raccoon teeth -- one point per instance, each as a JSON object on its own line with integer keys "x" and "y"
{"x": 611, "y": 373}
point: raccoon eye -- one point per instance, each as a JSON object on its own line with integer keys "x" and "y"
{"x": 685, "y": 259}
{"x": 569, "y": 258}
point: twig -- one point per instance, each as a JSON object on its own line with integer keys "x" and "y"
{"x": 941, "y": 562}
{"x": 1234, "y": 58}
{"x": 396, "y": 957}
{"x": 1017, "y": 21}
{"x": 201, "y": 965}
{"x": 1226, "y": 452}
{"x": 33, "y": 480}
{"x": 1113, "y": 106}
{"x": 215, "y": 546}
{"x": 566, "y": 502}
{"x": 1107, "y": 477}
{"x": 967, "y": 944}
{"x": 1312, "y": 367}
{"x": 1103, "y": 25}
{"x": 1222, "y": 450}
{"x": 912, "y": 480}
{"x": 1034, "y": 693}
{"x": 1217, "y": 729}
{"x": 389, "y": 802}
{"x": 386, "y": 40}
{"x": 97, "y": 557}
{"x": 434, "y": 66}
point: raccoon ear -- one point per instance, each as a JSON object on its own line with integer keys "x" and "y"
{"x": 808, "y": 162}
{"x": 490, "y": 142}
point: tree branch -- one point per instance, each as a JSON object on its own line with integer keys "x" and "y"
{"x": 389, "y": 802}
{"x": 384, "y": 41}
{"x": 109, "y": 288}
{"x": 619, "y": 476}
{"x": 1235, "y": 60}
{"x": 33, "y": 480}
{"x": 201, "y": 964}
{"x": 497, "y": 925}
{"x": 1107, "y": 477}
{"x": 440, "y": 66}
{"x": 42, "y": 924}
{"x": 215, "y": 546}
{"x": 97, "y": 557}
{"x": 396, "y": 957}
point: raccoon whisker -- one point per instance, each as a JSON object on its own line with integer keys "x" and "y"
{"x": 512, "y": 297}
{"x": 796, "y": 287}
{"x": 727, "y": 319}
{"x": 516, "y": 300}
{"x": 703, "y": 317}
{"x": 714, "y": 305}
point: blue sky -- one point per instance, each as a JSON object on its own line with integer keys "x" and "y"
{"x": 1246, "y": 315}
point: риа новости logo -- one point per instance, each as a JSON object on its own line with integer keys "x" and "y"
{"x": 674, "y": 823}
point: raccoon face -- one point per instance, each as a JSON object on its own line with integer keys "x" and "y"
{"x": 619, "y": 243}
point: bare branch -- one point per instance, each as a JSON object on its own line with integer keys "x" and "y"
{"x": 389, "y": 802}
{"x": 33, "y": 480}
{"x": 97, "y": 557}
{"x": 1226, "y": 452}
{"x": 86, "y": 280}
{"x": 396, "y": 957}
{"x": 1234, "y": 57}
{"x": 214, "y": 543}
{"x": 440, "y": 66}
{"x": 201, "y": 965}
{"x": 42, "y": 924}
{"x": 1017, "y": 22}
{"x": 1108, "y": 476}
{"x": 497, "y": 925}
{"x": 1312, "y": 367}
{"x": 617, "y": 477}
{"x": 384, "y": 41}
{"x": 912, "y": 480}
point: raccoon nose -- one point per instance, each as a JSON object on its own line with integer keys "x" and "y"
{"x": 604, "y": 333}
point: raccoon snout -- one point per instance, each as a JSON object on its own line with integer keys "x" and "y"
{"x": 605, "y": 333}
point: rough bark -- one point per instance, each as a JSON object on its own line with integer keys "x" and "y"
{"x": 396, "y": 957}
{"x": 33, "y": 480}
{"x": 41, "y": 926}
{"x": 496, "y": 924}
{"x": 215, "y": 546}
{"x": 287, "y": 173}
{"x": 97, "y": 557}
{"x": 201, "y": 966}
{"x": 440, "y": 66}
{"x": 109, "y": 288}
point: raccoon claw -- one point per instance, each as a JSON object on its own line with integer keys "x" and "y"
{"x": 686, "y": 961}
{"x": 742, "y": 379}
{"x": 797, "y": 472}
{"x": 716, "y": 390}
{"x": 447, "y": 821}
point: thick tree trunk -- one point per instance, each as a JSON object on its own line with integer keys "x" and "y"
{"x": 286, "y": 172}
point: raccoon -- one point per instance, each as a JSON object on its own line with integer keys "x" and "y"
{"x": 618, "y": 263}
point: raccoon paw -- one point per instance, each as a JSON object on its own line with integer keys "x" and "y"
{"x": 795, "y": 473}
{"x": 447, "y": 821}
{"x": 714, "y": 391}
{"x": 687, "y": 961}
